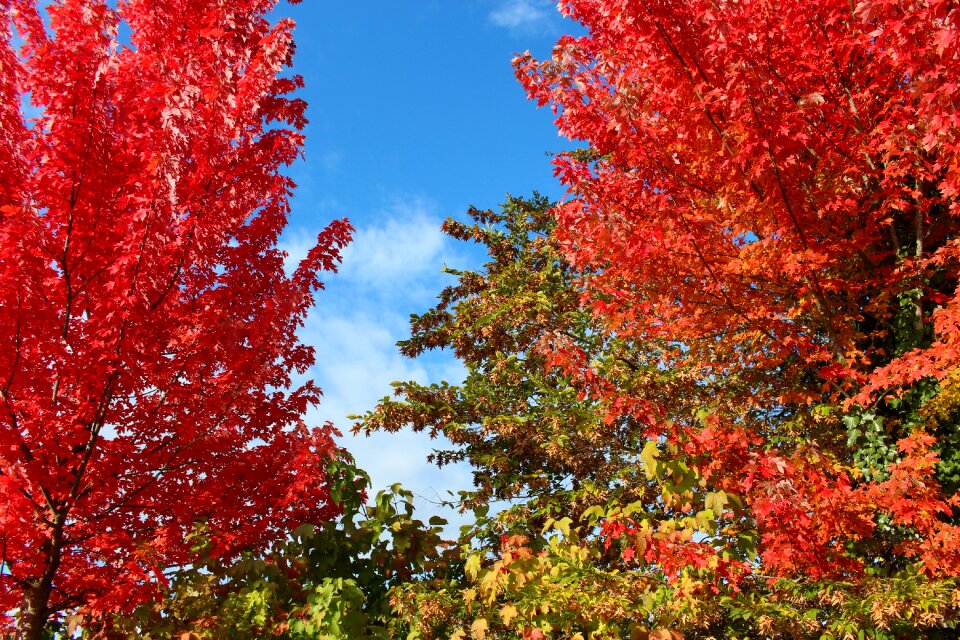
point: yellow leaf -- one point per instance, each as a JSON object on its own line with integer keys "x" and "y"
{"x": 703, "y": 519}
{"x": 489, "y": 584}
{"x": 508, "y": 613}
{"x": 716, "y": 501}
{"x": 547, "y": 525}
{"x": 479, "y": 629}
{"x": 649, "y": 457}
{"x": 593, "y": 514}
{"x": 472, "y": 566}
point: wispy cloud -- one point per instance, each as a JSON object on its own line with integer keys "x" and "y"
{"x": 523, "y": 15}
{"x": 391, "y": 269}
{"x": 403, "y": 249}
{"x": 296, "y": 243}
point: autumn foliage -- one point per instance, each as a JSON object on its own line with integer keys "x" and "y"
{"x": 773, "y": 191}
{"x": 146, "y": 321}
{"x": 763, "y": 228}
{"x": 714, "y": 392}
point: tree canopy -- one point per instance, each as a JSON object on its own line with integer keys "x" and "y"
{"x": 762, "y": 231}
{"x": 713, "y": 392}
{"x": 771, "y": 191}
{"x": 147, "y": 324}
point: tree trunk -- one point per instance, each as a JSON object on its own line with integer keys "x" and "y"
{"x": 36, "y": 602}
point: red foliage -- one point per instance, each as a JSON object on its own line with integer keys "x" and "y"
{"x": 147, "y": 324}
{"x": 769, "y": 185}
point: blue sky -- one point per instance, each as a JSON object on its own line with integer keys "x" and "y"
{"x": 414, "y": 115}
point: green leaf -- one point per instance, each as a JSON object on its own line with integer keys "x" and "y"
{"x": 593, "y": 514}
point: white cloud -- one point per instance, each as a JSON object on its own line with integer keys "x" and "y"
{"x": 296, "y": 243}
{"x": 407, "y": 245}
{"x": 391, "y": 269}
{"x": 404, "y": 248}
{"x": 523, "y": 15}
{"x": 331, "y": 160}
{"x": 357, "y": 360}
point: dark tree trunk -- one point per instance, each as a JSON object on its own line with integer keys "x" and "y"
{"x": 36, "y": 602}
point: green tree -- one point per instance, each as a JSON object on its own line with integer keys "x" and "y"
{"x": 328, "y": 581}
{"x": 573, "y": 494}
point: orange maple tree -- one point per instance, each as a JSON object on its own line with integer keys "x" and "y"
{"x": 146, "y": 321}
{"x": 771, "y": 190}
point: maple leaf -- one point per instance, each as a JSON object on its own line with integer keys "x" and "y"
{"x": 149, "y": 329}
{"x": 478, "y": 630}
{"x": 721, "y": 222}
{"x": 751, "y": 289}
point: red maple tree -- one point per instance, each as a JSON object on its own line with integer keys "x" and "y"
{"x": 771, "y": 194}
{"x": 148, "y": 328}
